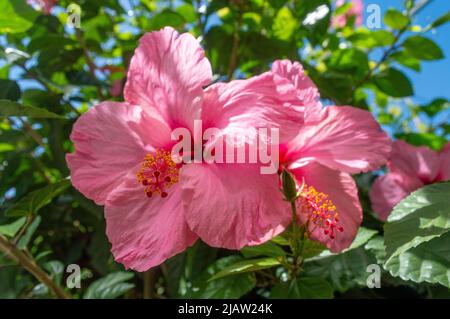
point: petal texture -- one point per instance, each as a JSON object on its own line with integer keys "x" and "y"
{"x": 251, "y": 104}
{"x": 409, "y": 160}
{"x": 110, "y": 139}
{"x": 388, "y": 190}
{"x": 233, "y": 205}
{"x": 143, "y": 231}
{"x": 290, "y": 76}
{"x": 444, "y": 161}
{"x": 346, "y": 139}
{"x": 167, "y": 73}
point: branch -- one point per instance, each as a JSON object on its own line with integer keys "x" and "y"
{"x": 32, "y": 267}
{"x": 89, "y": 61}
{"x": 235, "y": 46}
{"x": 411, "y": 13}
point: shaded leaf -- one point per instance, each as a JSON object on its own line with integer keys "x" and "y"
{"x": 393, "y": 83}
{"x": 10, "y": 108}
{"x": 109, "y": 287}
{"x": 303, "y": 288}
{"x": 246, "y": 266}
{"x": 10, "y": 230}
{"x": 35, "y": 200}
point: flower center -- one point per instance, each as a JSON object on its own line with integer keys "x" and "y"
{"x": 158, "y": 173}
{"x": 320, "y": 211}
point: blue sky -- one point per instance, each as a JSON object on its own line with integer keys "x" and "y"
{"x": 433, "y": 80}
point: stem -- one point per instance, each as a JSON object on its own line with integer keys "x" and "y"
{"x": 89, "y": 61}
{"x": 295, "y": 232}
{"x": 235, "y": 46}
{"x": 393, "y": 46}
{"x": 32, "y": 267}
{"x": 148, "y": 284}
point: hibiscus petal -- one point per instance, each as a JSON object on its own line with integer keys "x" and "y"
{"x": 410, "y": 160}
{"x": 167, "y": 72}
{"x": 254, "y": 103}
{"x": 444, "y": 168}
{"x": 291, "y": 76}
{"x": 233, "y": 205}
{"x": 346, "y": 138}
{"x": 143, "y": 231}
{"x": 342, "y": 191}
{"x": 110, "y": 139}
{"x": 388, "y": 190}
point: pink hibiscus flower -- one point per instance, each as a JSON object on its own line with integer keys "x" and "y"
{"x": 155, "y": 208}
{"x": 44, "y": 5}
{"x": 334, "y": 143}
{"x": 356, "y": 11}
{"x": 410, "y": 168}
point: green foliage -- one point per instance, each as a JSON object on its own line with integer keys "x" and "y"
{"x": 11, "y": 229}
{"x": 395, "y": 19}
{"x": 394, "y": 83}
{"x": 37, "y": 199}
{"x": 303, "y": 288}
{"x": 222, "y": 288}
{"x": 50, "y": 74}
{"x": 17, "y": 16}
{"x": 109, "y": 287}
{"x": 9, "y": 108}
{"x": 417, "y": 236}
{"x": 422, "y": 48}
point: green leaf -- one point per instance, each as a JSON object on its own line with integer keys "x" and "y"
{"x": 303, "y": 288}
{"x": 369, "y": 39}
{"x": 344, "y": 271}
{"x": 269, "y": 249}
{"x": 347, "y": 269}
{"x": 422, "y": 216}
{"x": 9, "y": 90}
{"x": 167, "y": 18}
{"x": 441, "y": 20}
{"x": 428, "y": 262}
{"x": 246, "y": 266}
{"x": 353, "y": 61}
{"x": 312, "y": 248}
{"x": 10, "y": 108}
{"x": 26, "y": 238}
{"x": 284, "y": 24}
{"x": 10, "y": 230}
{"x": 406, "y": 60}
{"x": 109, "y": 287}
{"x": 56, "y": 270}
{"x": 17, "y": 16}
{"x": 394, "y": 83}
{"x": 422, "y": 48}
{"x": 187, "y": 11}
{"x": 435, "y": 106}
{"x": 362, "y": 237}
{"x": 431, "y": 140}
{"x": 222, "y": 288}
{"x": 395, "y": 19}
{"x": 35, "y": 200}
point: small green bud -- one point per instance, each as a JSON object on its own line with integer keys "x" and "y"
{"x": 289, "y": 186}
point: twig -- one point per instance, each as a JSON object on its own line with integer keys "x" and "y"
{"x": 235, "y": 46}
{"x": 393, "y": 46}
{"x": 32, "y": 267}
{"x": 89, "y": 61}
{"x": 148, "y": 284}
